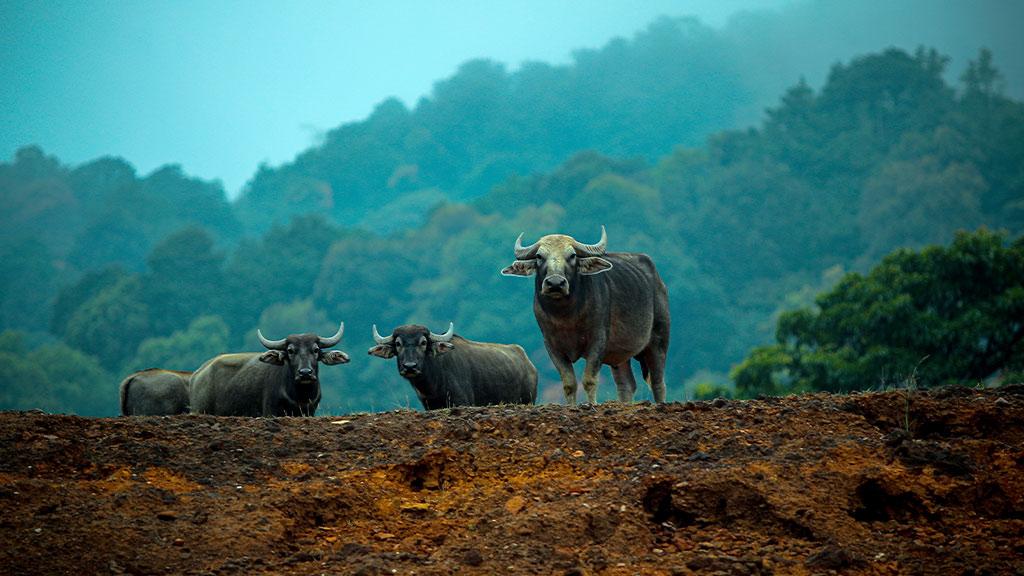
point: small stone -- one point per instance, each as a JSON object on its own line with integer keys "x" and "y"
{"x": 577, "y": 454}
{"x": 179, "y": 542}
{"x": 472, "y": 558}
{"x": 166, "y": 515}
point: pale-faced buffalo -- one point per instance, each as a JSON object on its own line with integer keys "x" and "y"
{"x": 283, "y": 381}
{"x": 604, "y": 308}
{"x": 448, "y": 370}
{"x": 155, "y": 392}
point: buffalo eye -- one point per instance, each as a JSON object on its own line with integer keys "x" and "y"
{"x": 571, "y": 257}
{"x": 291, "y": 349}
{"x": 316, "y": 349}
{"x": 398, "y": 344}
{"x": 423, "y": 342}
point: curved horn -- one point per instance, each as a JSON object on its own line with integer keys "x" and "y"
{"x": 527, "y": 253}
{"x": 270, "y": 344}
{"x": 328, "y": 342}
{"x": 380, "y": 339}
{"x": 446, "y": 336}
{"x": 592, "y": 249}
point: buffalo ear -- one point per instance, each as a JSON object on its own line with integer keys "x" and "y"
{"x": 382, "y": 351}
{"x": 442, "y": 347}
{"x": 275, "y": 357}
{"x": 520, "y": 268}
{"x": 334, "y": 357}
{"x": 593, "y": 265}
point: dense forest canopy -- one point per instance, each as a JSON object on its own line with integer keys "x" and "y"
{"x": 410, "y": 215}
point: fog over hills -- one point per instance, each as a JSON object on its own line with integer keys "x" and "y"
{"x": 220, "y": 88}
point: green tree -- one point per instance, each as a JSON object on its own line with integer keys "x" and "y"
{"x": 911, "y": 204}
{"x": 23, "y": 383}
{"x": 942, "y": 315}
{"x": 54, "y": 378}
{"x": 111, "y": 324}
{"x": 184, "y": 281}
{"x": 280, "y": 267}
{"x": 78, "y": 383}
{"x": 205, "y": 337}
{"x": 28, "y": 280}
{"x": 37, "y": 201}
{"x": 70, "y": 297}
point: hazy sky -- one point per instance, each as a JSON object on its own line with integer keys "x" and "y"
{"x": 220, "y": 86}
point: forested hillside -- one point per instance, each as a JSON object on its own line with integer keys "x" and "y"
{"x": 672, "y": 84}
{"x": 106, "y": 271}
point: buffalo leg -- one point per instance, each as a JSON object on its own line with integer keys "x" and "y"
{"x": 568, "y": 376}
{"x": 654, "y": 362}
{"x": 624, "y": 381}
{"x": 590, "y": 374}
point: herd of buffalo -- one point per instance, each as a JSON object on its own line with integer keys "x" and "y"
{"x": 606, "y": 308}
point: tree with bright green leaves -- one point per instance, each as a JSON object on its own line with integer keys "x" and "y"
{"x": 943, "y": 315}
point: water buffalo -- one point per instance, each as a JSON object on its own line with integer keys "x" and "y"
{"x": 283, "y": 381}
{"x": 602, "y": 307}
{"x": 448, "y": 370}
{"x": 155, "y": 392}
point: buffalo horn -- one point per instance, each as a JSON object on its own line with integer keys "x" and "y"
{"x": 592, "y": 249}
{"x": 328, "y": 342}
{"x": 446, "y": 336}
{"x": 380, "y": 339}
{"x": 528, "y": 253}
{"x": 270, "y": 344}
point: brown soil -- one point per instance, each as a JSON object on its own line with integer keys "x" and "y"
{"x": 893, "y": 483}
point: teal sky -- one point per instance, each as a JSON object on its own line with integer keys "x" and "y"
{"x": 221, "y": 86}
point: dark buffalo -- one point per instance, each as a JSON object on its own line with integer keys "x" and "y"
{"x": 155, "y": 392}
{"x": 447, "y": 370}
{"x": 283, "y": 381}
{"x": 604, "y": 308}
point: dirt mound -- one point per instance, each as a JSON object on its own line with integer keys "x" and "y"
{"x": 894, "y": 483}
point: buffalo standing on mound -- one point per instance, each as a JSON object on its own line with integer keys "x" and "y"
{"x": 155, "y": 392}
{"x": 283, "y": 381}
{"x": 602, "y": 307}
{"x": 448, "y": 370}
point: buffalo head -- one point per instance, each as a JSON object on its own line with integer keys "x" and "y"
{"x": 300, "y": 353}
{"x": 412, "y": 345}
{"x": 558, "y": 260}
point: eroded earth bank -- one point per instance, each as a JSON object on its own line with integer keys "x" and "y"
{"x": 885, "y": 483}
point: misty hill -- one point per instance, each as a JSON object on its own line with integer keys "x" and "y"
{"x": 886, "y": 154}
{"x": 671, "y": 84}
